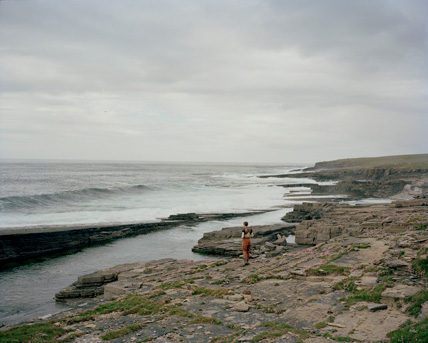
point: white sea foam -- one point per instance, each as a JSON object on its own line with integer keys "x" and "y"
{"x": 70, "y": 194}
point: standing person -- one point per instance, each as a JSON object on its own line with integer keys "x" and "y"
{"x": 246, "y": 243}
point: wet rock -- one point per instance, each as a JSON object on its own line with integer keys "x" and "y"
{"x": 185, "y": 217}
{"x": 20, "y": 245}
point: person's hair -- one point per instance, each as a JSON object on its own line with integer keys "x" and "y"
{"x": 245, "y": 223}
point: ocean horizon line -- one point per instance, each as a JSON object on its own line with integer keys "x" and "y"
{"x": 55, "y": 160}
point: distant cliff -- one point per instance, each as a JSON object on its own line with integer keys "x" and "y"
{"x": 405, "y": 161}
{"x": 380, "y": 177}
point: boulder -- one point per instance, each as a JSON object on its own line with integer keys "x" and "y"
{"x": 241, "y": 307}
{"x": 228, "y": 242}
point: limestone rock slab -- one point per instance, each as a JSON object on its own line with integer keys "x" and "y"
{"x": 400, "y": 291}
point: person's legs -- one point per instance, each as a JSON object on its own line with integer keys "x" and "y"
{"x": 245, "y": 249}
{"x": 248, "y": 250}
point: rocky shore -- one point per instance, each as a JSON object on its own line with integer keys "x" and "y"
{"x": 358, "y": 273}
{"x": 349, "y": 288}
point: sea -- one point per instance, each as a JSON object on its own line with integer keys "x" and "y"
{"x": 45, "y": 194}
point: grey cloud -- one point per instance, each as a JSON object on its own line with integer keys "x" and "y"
{"x": 188, "y": 75}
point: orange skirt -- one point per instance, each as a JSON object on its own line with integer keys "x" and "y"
{"x": 246, "y": 246}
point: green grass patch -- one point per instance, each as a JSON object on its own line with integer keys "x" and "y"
{"x": 205, "y": 320}
{"x": 340, "y": 338}
{"x": 208, "y": 292}
{"x": 276, "y": 329}
{"x": 222, "y": 281}
{"x": 328, "y": 269}
{"x": 175, "y": 284}
{"x": 384, "y": 271}
{"x": 353, "y": 247}
{"x": 320, "y": 325}
{"x": 200, "y": 267}
{"x": 179, "y": 312}
{"x": 145, "y": 307}
{"x": 362, "y": 245}
{"x": 421, "y": 227}
{"x": 412, "y": 333}
{"x": 371, "y": 294}
{"x": 229, "y": 339}
{"x": 420, "y": 266}
{"x": 156, "y": 294}
{"x": 251, "y": 279}
{"x": 337, "y": 256}
{"x": 122, "y": 332}
{"x": 270, "y": 309}
{"x": 417, "y": 301}
{"x": 34, "y": 333}
{"x": 130, "y": 304}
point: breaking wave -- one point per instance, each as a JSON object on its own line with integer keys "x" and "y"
{"x": 67, "y": 197}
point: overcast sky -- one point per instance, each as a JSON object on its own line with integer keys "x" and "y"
{"x": 231, "y": 81}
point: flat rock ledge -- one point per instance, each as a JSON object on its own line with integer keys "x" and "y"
{"x": 20, "y": 246}
{"x": 320, "y": 222}
{"x": 268, "y": 239}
